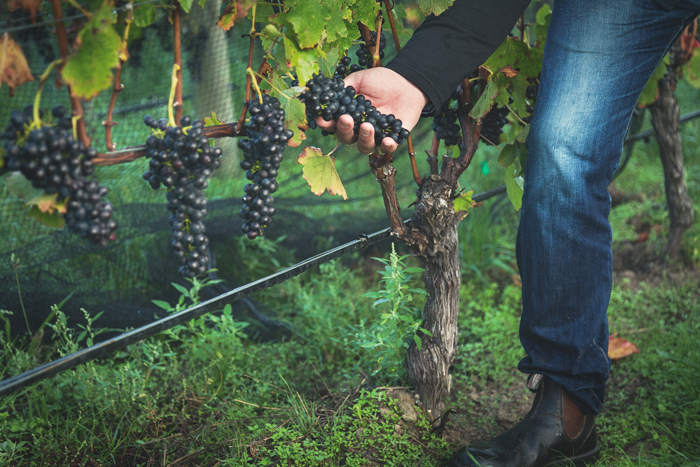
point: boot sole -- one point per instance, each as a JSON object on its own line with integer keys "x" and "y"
{"x": 582, "y": 460}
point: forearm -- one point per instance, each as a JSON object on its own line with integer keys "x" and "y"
{"x": 446, "y": 49}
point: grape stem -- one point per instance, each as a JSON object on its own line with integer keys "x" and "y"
{"x": 516, "y": 115}
{"x": 36, "y": 122}
{"x": 171, "y": 99}
{"x": 270, "y": 83}
{"x": 254, "y": 83}
{"x": 178, "y": 61}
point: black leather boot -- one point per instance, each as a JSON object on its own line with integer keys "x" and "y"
{"x": 553, "y": 433}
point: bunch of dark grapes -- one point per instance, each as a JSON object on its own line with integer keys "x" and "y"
{"x": 365, "y": 57}
{"x": 182, "y": 160}
{"x": 262, "y": 149}
{"x": 330, "y": 99}
{"x": 53, "y": 161}
{"x": 494, "y": 121}
{"x": 345, "y": 67}
{"x": 445, "y": 125}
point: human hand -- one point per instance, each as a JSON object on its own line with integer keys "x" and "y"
{"x": 390, "y": 93}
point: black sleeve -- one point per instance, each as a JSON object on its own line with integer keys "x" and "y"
{"x": 445, "y": 49}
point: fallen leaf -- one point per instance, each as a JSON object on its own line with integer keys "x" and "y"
{"x": 14, "y": 69}
{"x": 320, "y": 172}
{"x": 619, "y": 348}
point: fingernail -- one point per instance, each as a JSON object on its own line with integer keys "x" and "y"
{"x": 343, "y": 125}
{"x": 364, "y": 132}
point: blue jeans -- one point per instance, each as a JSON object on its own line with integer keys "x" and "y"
{"x": 598, "y": 57}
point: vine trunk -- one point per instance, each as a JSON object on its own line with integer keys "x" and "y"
{"x": 665, "y": 114}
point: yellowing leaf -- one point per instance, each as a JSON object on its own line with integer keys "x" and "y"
{"x": 14, "y": 69}
{"x": 89, "y": 70}
{"x": 234, "y": 11}
{"x": 49, "y": 219}
{"x": 619, "y": 348}
{"x": 44, "y": 207}
{"x": 30, "y": 6}
{"x": 320, "y": 172}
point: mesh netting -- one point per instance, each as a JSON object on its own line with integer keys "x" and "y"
{"x": 123, "y": 278}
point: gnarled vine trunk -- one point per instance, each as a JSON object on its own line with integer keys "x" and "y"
{"x": 665, "y": 113}
{"x": 432, "y": 237}
{"x": 429, "y": 367}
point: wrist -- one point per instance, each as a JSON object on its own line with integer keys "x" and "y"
{"x": 413, "y": 92}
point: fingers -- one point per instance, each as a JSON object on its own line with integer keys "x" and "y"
{"x": 365, "y": 141}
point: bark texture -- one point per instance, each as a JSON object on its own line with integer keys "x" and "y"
{"x": 435, "y": 222}
{"x": 665, "y": 114}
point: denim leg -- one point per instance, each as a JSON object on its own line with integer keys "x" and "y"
{"x": 598, "y": 57}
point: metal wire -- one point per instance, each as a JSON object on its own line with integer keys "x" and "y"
{"x": 119, "y": 342}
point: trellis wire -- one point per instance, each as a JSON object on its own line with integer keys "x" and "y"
{"x": 119, "y": 342}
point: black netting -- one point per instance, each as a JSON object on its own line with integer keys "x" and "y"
{"x": 123, "y": 278}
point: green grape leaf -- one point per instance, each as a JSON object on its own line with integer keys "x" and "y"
{"x": 144, "y": 15}
{"x": 320, "y": 172}
{"x": 365, "y": 11}
{"x": 186, "y": 5}
{"x": 464, "y": 202}
{"x": 692, "y": 75}
{"x": 511, "y": 152}
{"x": 304, "y": 60}
{"x": 308, "y": 19}
{"x": 518, "y": 85}
{"x": 651, "y": 90}
{"x": 294, "y": 110}
{"x": 514, "y": 186}
{"x": 89, "y": 70}
{"x": 434, "y": 7}
{"x": 485, "y": 102}
{"x": 515, "y": 53}
{"x": 544, "y": 15}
